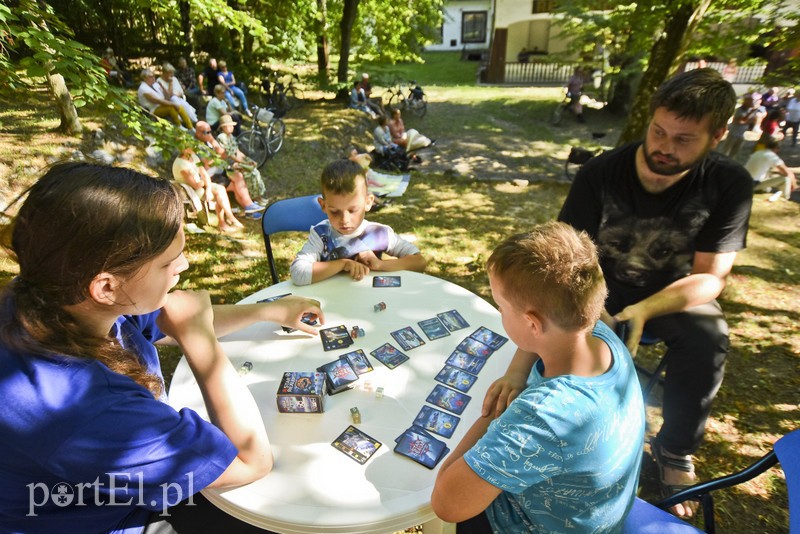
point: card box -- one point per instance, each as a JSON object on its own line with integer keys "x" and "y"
{"x": 301, "y": 393}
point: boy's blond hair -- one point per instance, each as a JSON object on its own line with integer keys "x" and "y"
{"x": 555, "y": 270}
{"x": 341, "y": 177}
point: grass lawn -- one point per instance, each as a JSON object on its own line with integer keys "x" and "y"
{"x": 498, "y": 169}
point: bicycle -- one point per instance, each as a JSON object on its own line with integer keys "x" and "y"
{"x": 282, "y": 96}
{"x": 265, "y": 138}
{"x": 414, "y": 100}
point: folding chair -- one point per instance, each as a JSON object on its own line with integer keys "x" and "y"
{"x": 194, "y": 206}
{"x": 646, "y": 518}
{"x": 290, "y": 215}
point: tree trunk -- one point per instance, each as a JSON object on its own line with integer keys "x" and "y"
{"x": 186, "y": 25}
{"x": 323, "y": 59}
{"x": 664, "y": 59}
{"x": 349, "y": 13}
{"x": 70, "y": 123}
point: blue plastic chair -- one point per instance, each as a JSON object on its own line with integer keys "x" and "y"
{"x": 646, "y": 518}
{"x": 290, "y": 215}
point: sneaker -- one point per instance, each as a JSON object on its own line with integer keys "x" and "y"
{"x": 255, "y": 215}
{"x": 253, "y": 208}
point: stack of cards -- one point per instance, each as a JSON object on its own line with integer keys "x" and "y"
{"x": 301, "y": 393}
{"x": 421, "y": 446}
{"x": 339, "y": 374}
{"x": 356, "y": 444}
{"x": 336, "y": 337}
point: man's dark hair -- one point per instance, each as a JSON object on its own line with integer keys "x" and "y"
{"x": 696, "y": 94}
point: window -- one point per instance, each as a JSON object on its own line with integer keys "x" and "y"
{"x": 473, "y": 26}
{"x": 543, "y": 6}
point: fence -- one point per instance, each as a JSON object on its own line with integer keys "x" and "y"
{"x": 555, "y": 73}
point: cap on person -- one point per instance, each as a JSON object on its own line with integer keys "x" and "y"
{"x": 226, "y": 120}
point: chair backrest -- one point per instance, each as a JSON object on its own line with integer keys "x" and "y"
{"x": 290, "y": 215}
{"x": 788, "y": 450}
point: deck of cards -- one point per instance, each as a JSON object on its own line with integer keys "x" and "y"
{"x": 419, "y": 445}
{"x": 339, "y": 374}
{"x": 301, "y": 393}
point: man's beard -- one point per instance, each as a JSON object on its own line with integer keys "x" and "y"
{"x": 672, "y": 167}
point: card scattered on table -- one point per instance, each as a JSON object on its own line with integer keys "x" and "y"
{"x": 421, "y": 447}
{"x": 448, "y": 399}
{"x": 475, "y": 347}
{"x": 437, "y": 421}
{"x": 339, "y": 374}
{"x": 385, "y": 281}
{"x": 356, "y": 444}
{"x": 389, "y": 356}
{"x": 456, "y": 378}
{"x": 468, "y": 362}
{"x": 336, "y": 337}
{"x": 407, "y": 338}
{"x": 433, "y": 328}
{"x": 491, "y": 339}
{"x": 452, "y": 320}
{"x": 359, "y": 361}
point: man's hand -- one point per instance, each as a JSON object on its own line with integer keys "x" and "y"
{"x": 357, "y": 270}
{"x": 636, "y": 321}
{"x": 369, "y": 259}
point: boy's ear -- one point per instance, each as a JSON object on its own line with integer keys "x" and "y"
{"x": 103, "y": 289}
{"x": 370, "y": 201}
{"x": 321, "y": 201}
{"x": 535, "y": 322}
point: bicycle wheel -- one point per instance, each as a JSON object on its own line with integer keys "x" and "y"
{"x": 254, "y": 146}
{"x": 418, "y": 106}
{"x": 275, "y": 133}
{"x": 558, "y": 114}
{"x": 397, "y": 101}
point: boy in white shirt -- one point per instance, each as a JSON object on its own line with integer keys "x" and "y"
{"x": 768, "y": 170}
{"x": 346, "y": 241}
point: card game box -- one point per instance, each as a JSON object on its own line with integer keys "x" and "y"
{"x": 301, "y": 393}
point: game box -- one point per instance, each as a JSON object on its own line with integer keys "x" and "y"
{"x": 301, "y": 393}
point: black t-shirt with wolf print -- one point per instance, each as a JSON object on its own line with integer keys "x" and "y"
{"x": 646, "y": 240}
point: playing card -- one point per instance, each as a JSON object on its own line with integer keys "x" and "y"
{"x": 407, "y": 338}
{"x": 491, "y": 339}
{"x": 308, "y": 318}
{"x": 437, "y": 421}
{"x": 389, "y": 356}
{"x": 339, "y": 374}
{"x": 359, "y": 361}
{"x": 452, "y": 320}
{"x": 356, "y": 444}
{"x": 433, "y": 328}
{"x": 475, "y": 347}
{"x": 468, "y": 362}
{"x": 456, "y": 378}
{"x": 335, "y": 337}
{"x": 448, "y": 399}
{"x": 385, "y": 281}
{"x": 420, "y": 447}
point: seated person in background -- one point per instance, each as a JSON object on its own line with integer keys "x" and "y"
{"x": 408, "y": 139}
{"x": 763, "y": 164}
{"x": 574, "y": 91}
{"x": 209, "y": 78}
{"x": 375, "y": 105}
{"x": 359, "y": 101}
{"x": 226, "y": 78}
{"x": 114, "y": 73}
{"x": 238, "y": 160}
{"x": 186, "y": 75}
{"x": 187, "y": 169}
{"x": 153, "y": 101}
{"x": 229, "y": 178}
{"x": 771, "y": 127}
{"x": 171, "y": 90}
{"x": 560, "y": 438}
{"x": 346, "y": 241}
{"x": 217, "y": 107}
{"x": 383, "y": 139}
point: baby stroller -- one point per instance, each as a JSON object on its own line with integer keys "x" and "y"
{"x": 397, "y": 160}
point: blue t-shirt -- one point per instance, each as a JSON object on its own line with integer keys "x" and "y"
{"x": 567, "y": 451}
{"x": 81, "y": 445}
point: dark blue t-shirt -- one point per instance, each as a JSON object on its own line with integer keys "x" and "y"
{"x": 81, "y": 445}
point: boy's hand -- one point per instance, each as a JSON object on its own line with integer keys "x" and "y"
{"x": 291, "y": 310}
{"x": 357, "y": 270}
{"x": 502, "y": 391}
{"x": 369, "y": 259}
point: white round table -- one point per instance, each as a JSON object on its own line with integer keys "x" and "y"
{"x": 313, "y": 487}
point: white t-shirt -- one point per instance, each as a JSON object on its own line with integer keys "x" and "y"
{"x": 793, "y": 110}
{"x": 143, "y": 101}
{"x": 761, "y": 162}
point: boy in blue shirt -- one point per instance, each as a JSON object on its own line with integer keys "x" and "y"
{"x": 559, "y": 443}
{"x": 346, "y": 241}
